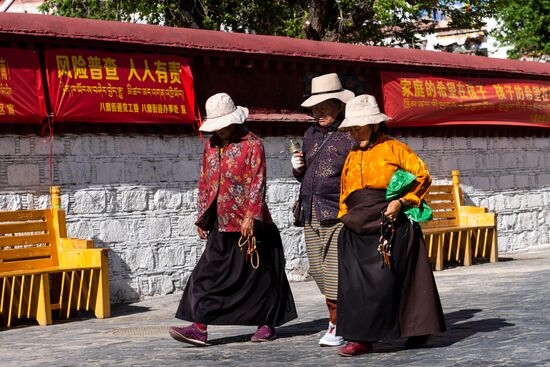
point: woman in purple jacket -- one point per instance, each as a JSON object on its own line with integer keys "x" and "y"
{"x": 318, "y": 168}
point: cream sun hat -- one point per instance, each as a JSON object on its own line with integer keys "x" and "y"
{"x": 362, "y": 110}
{"x": 221, "y": 112}
{"x": 327, "y": 87}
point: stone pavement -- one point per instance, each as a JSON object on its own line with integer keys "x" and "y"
{"x": 497, "y": 315}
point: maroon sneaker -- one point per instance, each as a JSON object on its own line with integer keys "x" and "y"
{"x": 263, "y": 334}
{"x": 354, "y": 349}
{"x": 189, "y": 334}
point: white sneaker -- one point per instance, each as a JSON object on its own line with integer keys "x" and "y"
{"x": 330, "y": 339}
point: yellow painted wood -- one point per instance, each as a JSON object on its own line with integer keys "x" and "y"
{"x": 31, "y": 296}
{"x": 12, "y": 300}
{"x": 438, "y": 197}
{"x": 22, "y": 215}
{"x": 71, "y": 295}
{"x": 458, "y": 246}
{"x": 102, "y": 307}
{"x": 44, "y": 312}
{"x": 20, "y": 227}
{"x": 30, "y": 265}
{"x": 468, "y": 249}
{"x": 26, "y": 264}
{"x": 80, "y": 289}
{"x": 4, "y": 282}
{"x": 26, "y": 253}
{"x": 494, "y": 247}
{"x": 450, "y": 216}
{"x": 24, "y": 240}
{"x": 437, "y": 206}
{"x": 76, "y": 243}
{"x": 21, "y": 296}
{"x": 450, "y": 250}
{"x": 90, "y": 287}
{"x": 62, "y": 294}
{"x": 439, "y": 252}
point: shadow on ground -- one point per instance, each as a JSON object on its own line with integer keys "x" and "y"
{"x": 124, "y": 309}
{"x": 283, "y": 332}
{"x": 457, "y": 329}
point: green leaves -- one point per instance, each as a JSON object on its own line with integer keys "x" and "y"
{"x": 524, "y": 24}
{"x": 525, "y": 27}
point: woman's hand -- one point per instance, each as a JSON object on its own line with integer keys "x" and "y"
{"x": 394, "y": 207}
{"x": 298, "y": 162}
{"x": 247, "y": 228}
{"x": 202, "y": 233}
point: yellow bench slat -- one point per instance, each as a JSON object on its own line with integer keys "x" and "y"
{"x": 438, "y": 197}
{"x": 6, "y": 228}
{"x": 25, "y": 240}
{"x": 438, "y": 206}
{"x": 28, "y": 265}
{"x": 26, "y": 253}
{"x": 22, "y": 215}
{"x": 45, "y": 270}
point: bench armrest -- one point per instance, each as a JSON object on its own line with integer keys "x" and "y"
{"x": 477, "y": 219}
{"x": 76, "y": 243}
{"x": 82, "y": 258}
{"x": 472, "y": 209}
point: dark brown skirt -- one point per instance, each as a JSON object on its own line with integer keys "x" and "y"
{"x": 224, "y": 289}
{"x": 374, "y": 302}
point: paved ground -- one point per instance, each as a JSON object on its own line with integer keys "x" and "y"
{"x": 497, "y": 315}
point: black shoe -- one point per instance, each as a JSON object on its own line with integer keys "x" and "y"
{"x": 416, "y": 341}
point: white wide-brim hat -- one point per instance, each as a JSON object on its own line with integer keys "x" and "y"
{"x": 327, "y": 87}
{"x": 362, "y": 110}
{"x": 221, "y": 112}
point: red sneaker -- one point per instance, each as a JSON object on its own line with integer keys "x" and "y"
{"x": 189, "y": 334}
{"x": 354, "y": 349}
{"x": 264, "y": 333}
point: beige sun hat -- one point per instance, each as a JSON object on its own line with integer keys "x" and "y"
{"x": 327, "y": 87}
{"x": 362, "y": 110}
{"x": 221, "y": 112}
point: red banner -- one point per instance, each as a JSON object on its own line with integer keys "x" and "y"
{"x": 21, "y": 90}
{"x": 412, "y": 99}
{"x": 97, "y": 86}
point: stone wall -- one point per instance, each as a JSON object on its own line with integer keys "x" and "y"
{"x": 136, "y": 194}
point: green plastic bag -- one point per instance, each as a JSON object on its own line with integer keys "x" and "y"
{"x": 401, "y": 182}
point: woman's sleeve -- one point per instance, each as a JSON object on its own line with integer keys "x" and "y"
{"x": 258, "y": 182}
{"x": 410, "y": 162}
{"x": 202, "y": 197}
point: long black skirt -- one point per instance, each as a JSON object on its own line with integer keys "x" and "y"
{"x": 224, "y": 289}
{"x": 376, "y": 303}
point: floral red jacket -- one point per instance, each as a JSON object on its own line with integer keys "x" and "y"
{"x": 233, "y": 179}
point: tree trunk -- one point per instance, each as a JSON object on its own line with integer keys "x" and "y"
{"x": 319, "y": 17}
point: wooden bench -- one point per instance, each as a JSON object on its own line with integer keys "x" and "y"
{"x": 41, "y": 270}
{"x": 458, "y": 232}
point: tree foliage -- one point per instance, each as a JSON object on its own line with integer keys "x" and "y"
{"x": 358, "y": 21}
{"x": 525, "y": 27}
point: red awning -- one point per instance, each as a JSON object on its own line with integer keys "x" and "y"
{"x": 87, "y": 30}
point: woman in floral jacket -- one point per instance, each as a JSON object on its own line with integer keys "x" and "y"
{"x": 233, "y": 283}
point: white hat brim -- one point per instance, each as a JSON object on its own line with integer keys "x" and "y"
{"x": 343, "y": 95}
{"x": 363, "y": 120}
{"x": 217, "y": 123}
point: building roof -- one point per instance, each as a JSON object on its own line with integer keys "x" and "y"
{"x": 33, "y": 27}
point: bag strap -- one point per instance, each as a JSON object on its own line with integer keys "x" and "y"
{"x": 316, "y": 154}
